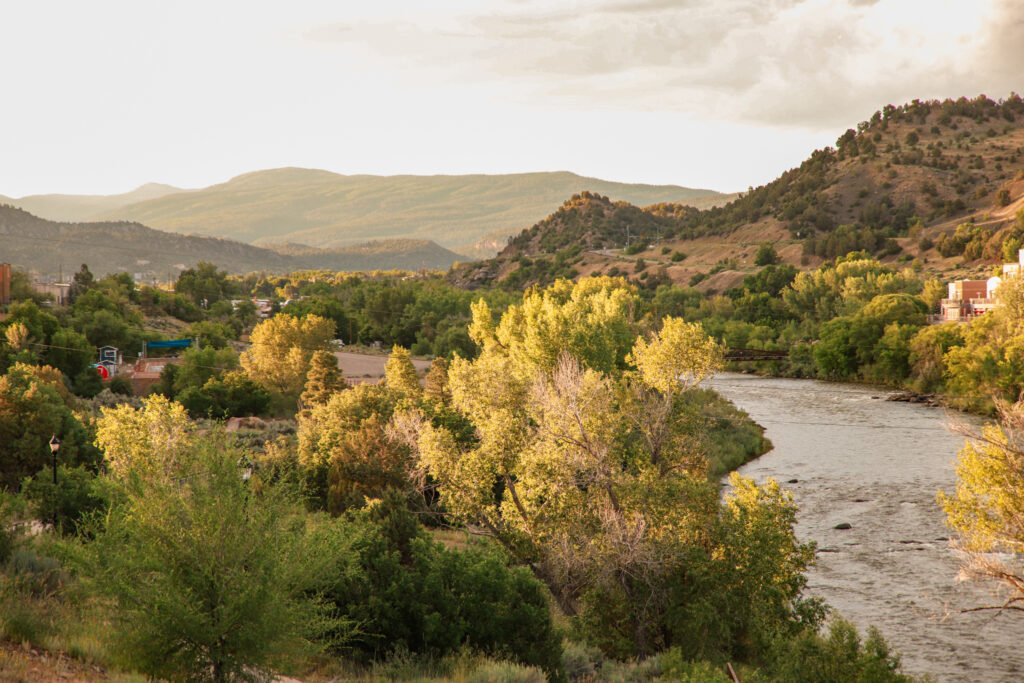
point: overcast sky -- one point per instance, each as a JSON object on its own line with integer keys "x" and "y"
{"x": 100, "y": 97}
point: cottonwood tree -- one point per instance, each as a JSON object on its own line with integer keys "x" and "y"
{"x": 400, "y": 374}
{"x": 987, "y": 507}
{"x": 584, "y": 466}
{"x": 281, "y": 351}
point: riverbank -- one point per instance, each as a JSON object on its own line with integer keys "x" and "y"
{"x": 851, "y": 458}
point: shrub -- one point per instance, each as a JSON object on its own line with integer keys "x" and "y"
{"x": 408, "y": 592}
{"x": 65, "y": 504}
{"x": 766, "y": 255}
{"x": 677, "y": 256}
{"x": 121, "y": 386}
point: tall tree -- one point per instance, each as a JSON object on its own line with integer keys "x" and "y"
{"x": 281, "y": 351}
{"x": 400, "y": 374}
{"x": 588, "y": 471}
{"x": 81, "y": 283}
{"x": 987, "y": 508}
{"x": 323, "y": 379}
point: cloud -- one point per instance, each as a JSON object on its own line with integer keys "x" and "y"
{"x": 794, "y": 63}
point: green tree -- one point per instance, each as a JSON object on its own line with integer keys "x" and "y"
{"x": 281, "y": 351}
{"x": 408, "y": 593}
{"x": 205, "y": 284}
{"x": 987, "y": 507}
{"x": 81, "y": 283}
{"x": 33, "y": 408}
{"x": 346, "y": 447}
{"x": 766, "y": 255}
{"x": 209, "y": 579}
{"x": 586, "y": 471}
{"x": 436, "y": 382}
{"x": 400, "y": 374}
{"x": 323, "y": 380}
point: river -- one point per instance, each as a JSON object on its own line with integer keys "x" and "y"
{"x": 877, "y": 465}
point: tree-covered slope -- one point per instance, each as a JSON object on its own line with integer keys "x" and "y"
{"x": 937, "y": 180}
{"x": 32, "y": 243}
{"x": 325, "y": 209}
{"x": 81, "y": 207}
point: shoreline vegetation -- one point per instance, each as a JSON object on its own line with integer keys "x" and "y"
{"x": 587, "y": 473}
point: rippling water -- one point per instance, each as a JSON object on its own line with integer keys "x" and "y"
{"x": 877, "y": 465}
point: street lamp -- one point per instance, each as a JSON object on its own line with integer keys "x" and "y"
{"x": 54, "y": 447}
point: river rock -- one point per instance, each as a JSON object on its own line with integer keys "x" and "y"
{"x": 843, "y": 525}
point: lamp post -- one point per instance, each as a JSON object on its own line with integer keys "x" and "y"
{"x": 54, "y": 447}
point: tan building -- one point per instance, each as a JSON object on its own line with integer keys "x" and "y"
{"x": 967, "y": 299}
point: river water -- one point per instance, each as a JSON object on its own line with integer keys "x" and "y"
{"x": 877, "y": 465}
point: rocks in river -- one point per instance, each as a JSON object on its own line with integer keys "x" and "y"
{"x": 933, "y": 400}
{"x": 843, "y": 526}
{"x": 792, "y": 481}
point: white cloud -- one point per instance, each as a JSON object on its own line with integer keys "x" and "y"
{"x": 804, "y": 63}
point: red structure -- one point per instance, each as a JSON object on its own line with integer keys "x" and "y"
{"x": 5, "y": 284}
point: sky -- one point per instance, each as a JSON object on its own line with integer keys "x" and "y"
{"x": 100, "y": 97}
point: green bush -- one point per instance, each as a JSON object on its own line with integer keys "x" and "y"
{"x": 35, "y": 575}
{"x": 766, "y": 255}
{"x": 677, "y": 256}
{"x": 68, "y": 502}
{"x": 409, "y": 593}
{"x": 121, "y": 386}
{"x": 839, "y": 657}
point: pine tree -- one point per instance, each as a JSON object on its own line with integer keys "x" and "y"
{"x": 323, "y": 379}
{"x": 437, "y": 381}
{"x": 400, "y": 375}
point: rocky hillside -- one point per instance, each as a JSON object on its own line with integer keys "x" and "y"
{"x": 47, "y": 247}
{"x": 941, "y": 182}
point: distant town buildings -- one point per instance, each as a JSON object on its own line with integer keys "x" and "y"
{"x": 970, "y": 298}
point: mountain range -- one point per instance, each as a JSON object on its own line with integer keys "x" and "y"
{"x": 472, "y": 214}
{"x": 49, "y": 247}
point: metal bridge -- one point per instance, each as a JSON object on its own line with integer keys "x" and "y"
{"x": 754, "y": 354}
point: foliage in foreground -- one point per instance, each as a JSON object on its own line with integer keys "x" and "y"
{"x": 206, "y": 575}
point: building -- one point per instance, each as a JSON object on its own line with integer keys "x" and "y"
{"x": 5, "y": 284}
{"x": 60, "y": 291}
{"x": 967, "y": 299}
{"x": 146, "y": 372}
{"x": 970, "y": 298}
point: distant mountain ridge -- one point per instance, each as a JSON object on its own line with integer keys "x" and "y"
{"x": 47, "y": 247}
{"x": 83, "y": 207}
{"x": 472, "y": 213}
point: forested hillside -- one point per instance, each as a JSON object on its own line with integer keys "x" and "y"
{"x": 32, "y": 243}
{"x": 325, "y": 209}
{"x": 930, "y": 180}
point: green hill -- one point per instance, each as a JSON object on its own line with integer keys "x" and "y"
{"x": 325, "y": 209}
{"x": 81, "y": 207}
{"x": 937, "y": 181}
{"x": 47, "y": 247}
